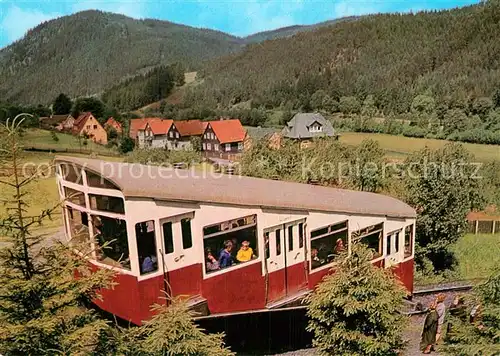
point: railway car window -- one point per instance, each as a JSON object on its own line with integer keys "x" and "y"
{"x": 230, "y": 243}
{"x": 278, "y": 242}
{"x": 112, "y": 243}
{"x": 97, "y": 181}
{"x": 74, "y": 196}
{"x": 107, "y": 203}
{"x": 79, "y": 227}
{"x": 146, "y": 246}
{"x": 327, "y": 243}
{"x": 168, "y": 238}
{"x": 187, "y": 240}
{"x": 301, "y": 235}
{"x": 290, "y": 238}
{"x": 71, "y": 173}
{"x": 371, "y": 237}
{"x": 266, "y": 240}
{"x": 388, "y": 244}
{"x": 408, "y": 240}
{"x": 396, "y": 243}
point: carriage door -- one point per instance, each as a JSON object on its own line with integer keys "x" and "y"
{"x": 179, "y": 257}
{"x": 275, "y": 262}
{"x": 296, "y": 279}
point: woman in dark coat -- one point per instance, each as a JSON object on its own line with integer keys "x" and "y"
{"x": 430, "y": 330}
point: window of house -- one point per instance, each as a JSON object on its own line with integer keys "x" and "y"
{"x": 327, "y": 243}
{"x": 240, "y": 146}
{"x": 88, "y": 127}
{"x": 408, "y": 241}
{"x": 301, "y": 235}
{"x": 177, "y": 135}
{"x": 107, "y": 203}
{"x": 227, "y": 242}
{"x": 168, "y": 237}
{"x": 146, "y": 246}
{"x": 98, "y": 181}
{"x": 204, "y": 145}
{"x": 228, "y": 147}
{"x": 209, "y": 146}
{"x": 79, "y": 227}
{"x": 371, "y": 237}
{"x": 74, "y": 196}
{"x": 290, "y": 238}
{"x": 95, "y": 127}
{"x": 171, "y": 134}
{"x": 216, "y": 147}
{"x": 71, "y": 173}
{"x": 111, "y": 239}
{"x": 187, "y": 239}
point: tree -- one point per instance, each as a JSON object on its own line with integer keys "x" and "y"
{"x": 455, "y": 120}
{"x": 496, "y": 98}
{"x": 354, "y": 311}
{"x": 62, "y": 105}
{"x": 482, "y": 106}
{"x": 329, "y": 104}
{"x": 171, "y": 331}
{"x": 317, "y": 99}
{"x": 349, "y": 105}
{"x": 481, "y": 337}
{"x": 127, "y": 144}
{"x": 367, "y": 163}
{"x": 91, "y": 104}
{"x": 443, "y": 187}
{"x": 369, "y": 109}
{"x": 196, "y": 143}
{"x": 42, "y": 305}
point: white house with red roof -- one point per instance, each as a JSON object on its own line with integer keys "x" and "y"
{"x": 223, "y": 138}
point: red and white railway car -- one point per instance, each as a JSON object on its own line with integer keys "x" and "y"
{"x": 162, "y": 222}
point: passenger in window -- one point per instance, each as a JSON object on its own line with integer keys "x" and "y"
{"x": 245, "y": 253}
{"x": 212, "y": 263}
{"x": 149, "y": 264}
{"x": 315, "y": 260}
{"x": 225, "y": 258}
{"x": 339, "y": 246}
{"x": 234, "y": 252}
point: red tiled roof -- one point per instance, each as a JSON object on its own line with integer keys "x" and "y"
{"x": 160, "y": 126}
{"x": 113, "y": 123}
{"x": 136, "y": 125}
{"x": 228, "y": 131}
{"x": 80, "y": 121}
{"x": 190, "y": 127}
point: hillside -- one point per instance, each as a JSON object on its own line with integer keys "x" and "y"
{"x": 453, "y": 55}
{"x": 84, "y": 53}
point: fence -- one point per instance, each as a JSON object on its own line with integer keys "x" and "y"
{"x": 484, "y": 226}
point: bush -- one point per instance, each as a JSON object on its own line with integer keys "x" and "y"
{"x": 159, "y": 156}
{"x": 127, "y": 144}
{"x": 414, "y": 131}
{"x": 54, "y": 136}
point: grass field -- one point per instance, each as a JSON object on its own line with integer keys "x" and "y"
{"x": 42, "y": 139}
{"x": 477, "y": 255}
{"x": 398, "y": 147}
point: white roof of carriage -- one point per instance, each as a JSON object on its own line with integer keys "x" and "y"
{"x": 165, "y": 183}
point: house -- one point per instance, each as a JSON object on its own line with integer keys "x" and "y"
{"x": 134, "y": 127}
{"x": 187, "y": 130}
{"x": 57, "y": 122}
{"x": 223, "y": 138}
{"x": 306, "y": 126}
{"x": 87, "y": 124}
{"x": 157, "y": 133}
{"x": 112, "y": 123}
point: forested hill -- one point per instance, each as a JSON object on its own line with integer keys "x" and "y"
{"x": 453, "y": 55}
{"x": 86, "y": 52}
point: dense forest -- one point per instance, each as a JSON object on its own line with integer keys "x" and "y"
{"x": 84, "y": 53}
{"x": 453, "y": 56}
{"x": 144, "y": 89}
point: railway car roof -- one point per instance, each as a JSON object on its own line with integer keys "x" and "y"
{"x": 166, "y": 183}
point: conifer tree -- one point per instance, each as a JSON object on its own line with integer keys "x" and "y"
{"x": 354, "y": 311}
{"x": 171, "y": 331}
{"x": 62, "y": 104}
{"x": 42, "y": 305}
{"x": 481, "y": 337}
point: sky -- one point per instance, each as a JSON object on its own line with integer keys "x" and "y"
{"x": 237, "y": 17}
